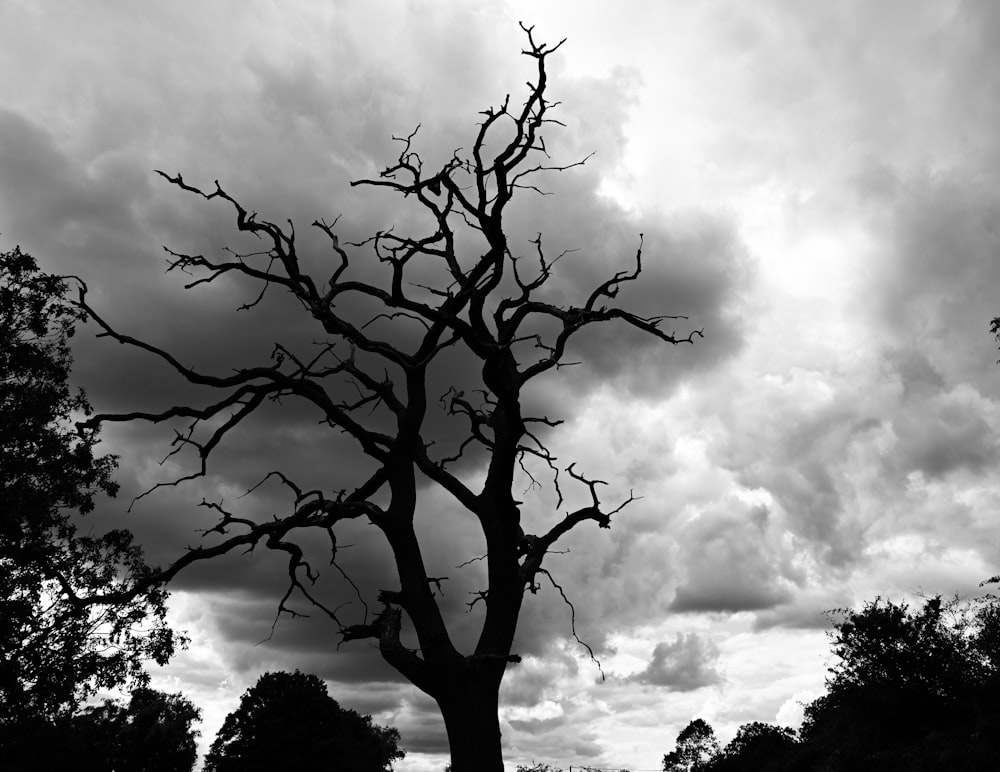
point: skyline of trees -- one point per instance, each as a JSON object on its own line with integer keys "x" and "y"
{"x": 910, "y": 690}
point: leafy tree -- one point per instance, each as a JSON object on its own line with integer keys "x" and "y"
{"x": 757, "y": 747}
{"x": 888, "y": 644}
{"x": 913, "y": 689}
{"x": 153, "y": 733}
{"x": 289, "y": 721}
{"x": 383, "y": 346}
{"x": 54, "y": 648}
{"x": 157, "y": 734}
{"x": 695, "y": 748}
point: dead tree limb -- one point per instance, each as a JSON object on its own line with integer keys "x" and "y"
{"x": 490, "y": 305}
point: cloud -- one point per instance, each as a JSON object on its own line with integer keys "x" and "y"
{"x": 538, "y": 725}
{"x": 286, "y": 133}
{"x": 950, "y": 432}
{"x": 816, "y": 187}
{"x": 536, "y": 679}
{"x": 686, "y": 664}
{"x": 284, "y": 127}
{"x": 732, "y": 562}
{"x": 806, "y": 610}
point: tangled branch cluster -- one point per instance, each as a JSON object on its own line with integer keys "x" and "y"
{"x": 491, "y": 306}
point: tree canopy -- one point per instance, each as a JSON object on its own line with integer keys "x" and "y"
{"x": 912, "y": 688}
{"x": 54, "y": 648}
{"x": 289, "y": 721}
{"x": 696, "y": 746}
{"x": 757, "y": 746}
{"x": 153, "y": 733}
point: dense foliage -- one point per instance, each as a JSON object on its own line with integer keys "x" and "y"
{"x": 912, "y": 689}
{"x": 288, "y": 721}
{"x": 153, "y": 733}
{"x": 54, "y": 648}
{"x": 696, "y": 746}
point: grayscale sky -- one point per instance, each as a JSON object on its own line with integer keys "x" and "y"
{"x": 818, "y": 185}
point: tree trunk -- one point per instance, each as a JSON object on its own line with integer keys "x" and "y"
{"x": 469, "y": 708}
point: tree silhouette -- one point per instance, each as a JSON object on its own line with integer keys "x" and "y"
{"x": 54, "y": 651}
{"x": 288, "y": 721}
{"x": 757, "y": 747}
{"x": 913, "y": 689}
{"x": 370, "y": 378}
{"x": 153, "y": 733}
{"x": 696, "y": 746}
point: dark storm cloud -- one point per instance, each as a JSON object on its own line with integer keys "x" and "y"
{"x": 420, "y": 725}
{"x": 254, "y": 585}
{"x": 581, "y": 746}
{"x": 810, "y": 442}
{"x": 940, "y": 217}
{"x": 935, "y": 290}
{"x": 284, "y": 127}
{"x": 73, "y": 216}
{"x": 372, "y": 697}
{"x": 535, "y": 679}
{"x": 38, "y": 180}
{"x": 684, "y": 664}
{"x": 946, "y": 433}
{"x": 534, "y": 726}
{"x": 693, "y": 264}
{"x": 695, "y": 270}
{"x": 723, "y": 597}
{"x": 178, "y": 321}
{"x": 730, "y": 565}
{"x": 808, "y": 610}
{"x": 285, "y": 136}
{"x": 599, "y": 577}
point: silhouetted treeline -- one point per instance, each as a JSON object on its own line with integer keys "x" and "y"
{"x": 912, "y": 690}
{"x": 152, "y": 733}
{"x": 285, "y": 721}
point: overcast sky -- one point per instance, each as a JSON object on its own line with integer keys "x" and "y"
{"x": 819, "y": 188}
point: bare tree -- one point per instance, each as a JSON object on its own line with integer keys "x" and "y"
{"x": 492, "y": 308}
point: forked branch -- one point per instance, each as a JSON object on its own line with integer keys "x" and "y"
{"x": 486, "y": 313}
